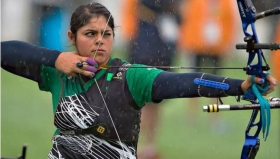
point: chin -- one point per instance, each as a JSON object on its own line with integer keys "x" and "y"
{"x": 99, "y": 61}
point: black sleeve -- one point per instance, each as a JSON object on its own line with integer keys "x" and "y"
{"x": 169, "y": 85}
{"x": 25, "y": 59}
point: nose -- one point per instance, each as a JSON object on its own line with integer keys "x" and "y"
{"x": 99, "y": 40}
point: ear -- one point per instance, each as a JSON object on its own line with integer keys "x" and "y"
{"x": 71, "y": 37}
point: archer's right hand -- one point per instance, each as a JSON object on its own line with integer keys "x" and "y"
{"x": 67, "y": 62}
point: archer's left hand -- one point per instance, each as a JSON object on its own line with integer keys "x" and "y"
{"x": 248, "y": 83}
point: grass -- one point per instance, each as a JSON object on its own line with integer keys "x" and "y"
{"x": 26, "y": 117}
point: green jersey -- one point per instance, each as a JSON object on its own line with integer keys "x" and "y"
{"x": 140, "y": 81}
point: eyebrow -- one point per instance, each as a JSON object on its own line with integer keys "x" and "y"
{"x": 98, "y": 31}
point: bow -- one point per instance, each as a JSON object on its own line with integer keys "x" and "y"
{"x": 249, "y": 15}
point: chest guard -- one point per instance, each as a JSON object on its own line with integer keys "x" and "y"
{"x": 93, "y": 113}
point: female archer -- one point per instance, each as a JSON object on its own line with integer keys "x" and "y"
{"x": 97, "y": 99}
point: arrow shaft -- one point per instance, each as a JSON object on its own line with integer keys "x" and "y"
{"x": 216, "y": 108}
{"x": 171, "y": 67}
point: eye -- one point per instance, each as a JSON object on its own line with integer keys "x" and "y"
{"x": 107, "y": 34}
{"x": 90, "y": 34}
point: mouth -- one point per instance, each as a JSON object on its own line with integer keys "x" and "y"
{"x": 99, "y": 51}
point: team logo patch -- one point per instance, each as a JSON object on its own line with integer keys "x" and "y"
{"x": 118, "y": 76}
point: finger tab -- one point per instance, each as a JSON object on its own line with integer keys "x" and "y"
{"x": 91, "y": 69}
{"x": 91, "y": 61}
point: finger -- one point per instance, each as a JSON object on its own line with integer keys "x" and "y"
{"x": 271, "y": 80}
{"x": 85, "y": 66}
{"x": 259, "y": 80}
{"x": 79, "y": 64}
{"x": 269, "y": 91}
{"x": 91, "y": 62}
{"x": 79, "y": 67}
{"x": 82, "y": 65}
{"x": 87, "y": 73}
{"x": 90, "y": 68}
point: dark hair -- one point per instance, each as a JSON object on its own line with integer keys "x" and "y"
{"x": 85, "y": 12}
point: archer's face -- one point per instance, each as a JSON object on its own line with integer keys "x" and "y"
{"x": 95, "y": 39}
